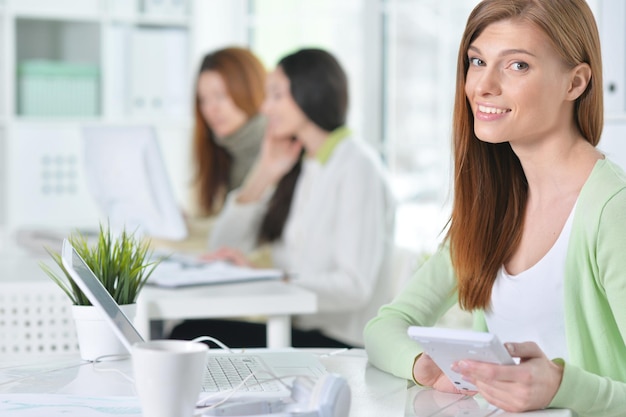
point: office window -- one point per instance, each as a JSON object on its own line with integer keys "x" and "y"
{"x": 421, "y": 39}
{"x": 278, "y": 27}
{"x": 400, "y": 56}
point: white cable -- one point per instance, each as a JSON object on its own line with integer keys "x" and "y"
{"x": 203, "y": 403}
{"x": 113, "y": 370}
{"x": 214, "y": 340}
{"x": 334, "y": 352}
{"x": 11, "y": 381}
{"x": 114, "y": 357}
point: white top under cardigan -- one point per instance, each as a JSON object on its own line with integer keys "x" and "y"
{"x": 543, "y": 320}
{"x": 337, "y": 240}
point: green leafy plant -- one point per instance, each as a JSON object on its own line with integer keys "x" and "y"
{"x": 122, "y": 263}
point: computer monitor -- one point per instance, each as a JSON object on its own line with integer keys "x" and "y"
{"x": 128, "y": 179}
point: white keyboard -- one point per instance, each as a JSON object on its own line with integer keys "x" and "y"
{"x": 226, "y": 372}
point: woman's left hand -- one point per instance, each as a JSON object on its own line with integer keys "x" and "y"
{"x": 531, "y": 385}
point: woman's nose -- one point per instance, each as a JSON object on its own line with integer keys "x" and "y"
{"x": 488, "y": 82}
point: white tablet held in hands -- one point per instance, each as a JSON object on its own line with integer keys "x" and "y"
{"x": 446, "y": 346}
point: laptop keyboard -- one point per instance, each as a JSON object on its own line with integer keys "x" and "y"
{"x": 226, "y": 372}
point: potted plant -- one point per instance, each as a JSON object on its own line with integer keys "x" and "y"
{"x": 123, "y": 263}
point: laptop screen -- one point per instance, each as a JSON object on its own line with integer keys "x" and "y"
{"x": 99, "y": 296}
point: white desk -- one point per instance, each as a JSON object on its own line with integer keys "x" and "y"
{"x": 374, "y": 393}
{"x": 277, "y": 301}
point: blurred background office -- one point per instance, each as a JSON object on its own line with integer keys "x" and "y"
{"x": 70, "y": 63}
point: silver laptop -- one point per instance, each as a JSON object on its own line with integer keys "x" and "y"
{"x": 219, "y": 362}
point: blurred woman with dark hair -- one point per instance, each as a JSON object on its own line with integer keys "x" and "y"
{"x": 321, "y": 201}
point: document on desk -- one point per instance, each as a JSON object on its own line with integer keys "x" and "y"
{"x": 61, "y": 405}
{"x": 175, "y": 273}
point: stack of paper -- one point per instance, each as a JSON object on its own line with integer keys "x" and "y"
{"x": 180, "y": 274}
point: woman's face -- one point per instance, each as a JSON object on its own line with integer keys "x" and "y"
{"x": 517, "y": 85}
{"x": 285, "y": 118}
{"x": 217, "y": 107}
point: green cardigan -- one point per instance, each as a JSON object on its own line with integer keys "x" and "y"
{"x": 594, "y": 379}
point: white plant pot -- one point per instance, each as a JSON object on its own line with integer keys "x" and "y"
{"x": 95, "y": 336}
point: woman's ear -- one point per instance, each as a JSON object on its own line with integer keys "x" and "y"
{"x": 580, "y": 78}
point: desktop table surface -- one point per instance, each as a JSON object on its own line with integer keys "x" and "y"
{"x": 225, "y": 300}
{"x": 64, "y": 385}
{"x": 277, "y": 301}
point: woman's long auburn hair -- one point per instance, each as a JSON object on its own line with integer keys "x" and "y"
{"x": 490, "y": 187}
{"x": 244, "y": 76}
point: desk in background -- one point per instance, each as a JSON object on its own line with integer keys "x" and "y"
{"x": 276, "y": 300}
{"x": 108, "y": 386}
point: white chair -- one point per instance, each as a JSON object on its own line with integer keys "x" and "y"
{"x": 405, "y": 262}
{"x": 35, "y": 318}
{"x": 455, "y": 318}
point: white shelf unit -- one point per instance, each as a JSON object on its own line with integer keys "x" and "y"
{"x": 611, "y": 17}
{"x": 3, "y": 70}
{"x": 134, "y": 52}
{"x": 3, "y": 131}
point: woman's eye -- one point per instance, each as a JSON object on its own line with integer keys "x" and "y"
{"x": 477, "y": 61}
{"x": 519, "y": 66}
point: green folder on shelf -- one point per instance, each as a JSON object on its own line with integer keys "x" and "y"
{"x": 57, "y": 88}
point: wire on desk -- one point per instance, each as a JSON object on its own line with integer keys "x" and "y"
{"x": 214, "y": 340}
{"x": 203, "y": 404}
{"x": 99, "y": 359}
{"x": 45, "y": 372}
{"x": 334, "y": 352}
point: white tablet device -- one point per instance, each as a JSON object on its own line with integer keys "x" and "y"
{"x": 446, "y": 346}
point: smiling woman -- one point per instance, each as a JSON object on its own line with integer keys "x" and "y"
{"x": 538, "y": 221}
{"x": 519, "y": 84}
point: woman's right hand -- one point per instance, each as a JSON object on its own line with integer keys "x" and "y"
{"x": 278, "y": 155}
{"x": 427, "y": 373}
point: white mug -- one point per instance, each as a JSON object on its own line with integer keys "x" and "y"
{"x": 168, "y": 376}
